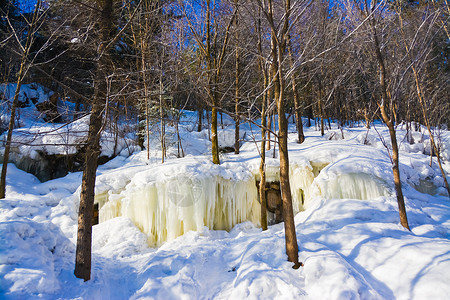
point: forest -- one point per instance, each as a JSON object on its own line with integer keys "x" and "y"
{"x": 172, "y": 120}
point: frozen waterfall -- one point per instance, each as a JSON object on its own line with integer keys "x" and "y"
{"x": 167, "y": 207}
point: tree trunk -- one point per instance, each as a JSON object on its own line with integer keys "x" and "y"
{"x": 180, "y": 145}
{"x": 424, "y": 110}
{"x": 322, "y": 127}
{"x": 366, "y": 117}
{"x": 269, "y": 121}
{"x": 86, "y": 210}
{"x": 212, "y": 88}
{"x": 162, "y": 120}
{"x": 200, "y": 118}
{"x": 10, "y": 130}
{"x": 22, "y": 72}
{"x": 274, "y": 155}
{"x": 214, "y": 136}
{"x": 237, "y": 70}
{"x": 387, "y": 120}
{"x": 320, "y": 108}
{"x": 115, "y": 121}
{"x": 288, "y": 213}
{"x": 262, "y": 166}
{"x": 396, "y": 168}
{"x": 208, "y": 124}
{"x": 278, "y": 48}
{"x": 297, "y": 105}
{"x": 146, "y": 103}
{"x": 84, "y": 235}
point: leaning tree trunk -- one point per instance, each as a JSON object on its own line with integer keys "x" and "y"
{"x": 288, "y": 213}
{"x": 388, "y": 121}
{"x": 10, "y": 130}
{"x": 22, "y": 72}
{"x": 421, "y": 98}
{"x": 427, "y": 123}
{"x": 395, "y": 168}
{"x": 85, "y": 213}
{"x": 278, "y": 48}
{"x": 84, "y": 235}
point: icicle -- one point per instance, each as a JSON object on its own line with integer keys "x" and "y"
{"x": 169, "y": 208}
{"x": 166, "y": 210}
{"x": 352, "y": 185}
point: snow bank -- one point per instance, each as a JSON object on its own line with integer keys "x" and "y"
{"x": 50, "y": 150}
{"x": 111, "y": 239}
{"x": 30, "y": 94}
{"x": 32, "y": 255}
{"x": 54, "y": 139}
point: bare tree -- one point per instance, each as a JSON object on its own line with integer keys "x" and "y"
{"x": 427, "y": 22}
{"x": 213, "y": 54}
{"x": 106, "y": 39}
{"x": 86, "y": 209}
{"x": 237, "y": 81}
{"x": 386, "y": 103}
{"x": 279, "y": 40}
{"x": 25, "y": 65}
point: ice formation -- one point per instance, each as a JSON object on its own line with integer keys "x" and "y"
{"x": 351, "y": 186}
{"x": 166, "y": 208}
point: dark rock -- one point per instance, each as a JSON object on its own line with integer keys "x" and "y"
{"x": 49, "y": 109}
{"x": 274, "y": 203}
{"x": 50, "y": 166}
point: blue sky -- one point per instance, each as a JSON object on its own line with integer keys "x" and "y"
{"x": 26, "y": 5}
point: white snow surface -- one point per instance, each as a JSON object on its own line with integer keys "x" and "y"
{"x": 348, "y": 231}
{"x": 32, "y": 135}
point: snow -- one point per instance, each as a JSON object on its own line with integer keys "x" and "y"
{"x": 34, "y": 136}
{"x": 188, "y": 229}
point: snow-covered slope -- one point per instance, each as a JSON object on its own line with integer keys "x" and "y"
{"x": 349, "y": 235}
{"x": 50, "y": 147}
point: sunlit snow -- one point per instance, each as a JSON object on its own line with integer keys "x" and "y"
{"x": 189, "y": 229}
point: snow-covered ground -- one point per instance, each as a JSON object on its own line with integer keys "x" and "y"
{"x": 349, "y": 235}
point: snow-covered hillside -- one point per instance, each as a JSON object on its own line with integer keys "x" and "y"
{"x": 348, "y": 230}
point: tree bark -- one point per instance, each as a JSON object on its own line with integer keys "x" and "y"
{"x": 212, "y": 89}
{"x": 262, "y": 166}
{"x": 237, "y": 92}
{"x": 387, "y": 120}
{"x": 10, "y": 130}
{"x": 297, "y": 105}
{"x": 278, "y": 48}
{"x": 200, "y": 118}
{"x": 146, "y": 102}
{"x": 214, "y": 136}
{"x": 320, "y": 108}
{"x": 22, "y": 72}
{"x": 269, "y": 117}
{"x": 86, "y": 209}
{"x": 288, "y": 213}
{"x": 161, "y": 117}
